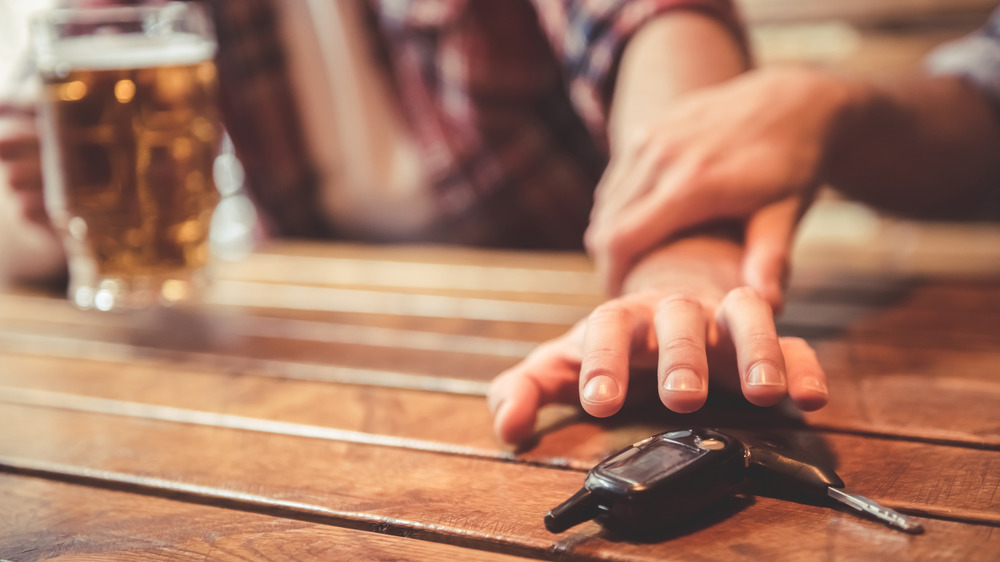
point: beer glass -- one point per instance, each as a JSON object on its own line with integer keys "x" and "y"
{"x": 129, "y": 131}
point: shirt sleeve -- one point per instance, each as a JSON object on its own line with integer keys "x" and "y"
{"x": 589, "y": 36}
{"x": 976, "y": 57}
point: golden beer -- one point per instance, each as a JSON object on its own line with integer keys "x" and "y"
{"x": 130, "y": 134}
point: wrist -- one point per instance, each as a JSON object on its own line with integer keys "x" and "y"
{"x": 703, "y": 264}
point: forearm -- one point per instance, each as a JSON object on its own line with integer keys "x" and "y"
{"x": 921, "y": 145}
{"x": 675, "y": 53}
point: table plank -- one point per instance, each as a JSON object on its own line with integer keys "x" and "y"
{"x": 45, "y": 519}
{"x": 878, "y": 386}
{"x": 907, "y": 317}
{"x": 898, "y": 311}
{"x": 21, "y": 311}
{"x": 905, "y": 313}
{"x": 918, "y": 393}
{"x": 562, "y": 276}
{"x": 461, "y": 425}
{"x": 363, "y": 416}
{"x": 498, "y": 505}
{"x": 286, "y": 348}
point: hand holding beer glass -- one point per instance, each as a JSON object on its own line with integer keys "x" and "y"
{"x": 129, "y": 132}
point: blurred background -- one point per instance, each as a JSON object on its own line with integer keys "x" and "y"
{"x": 873, "y": 37}
{"x": 864, "y": 37}
{"x": 13, "y": 33}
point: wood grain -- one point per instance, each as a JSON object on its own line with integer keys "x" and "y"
{"x": 887, "y": 388}
{"x": 45, "y": 519}
{"x": 875, "y": 387}
{"x": 818, "y": 307}
{"x": 565, "y": 277}
{"x": 900, "y": 313}
{"x": 362, "y": 417}
{"x": 459, "y": 425}
{"x": 447, "y": 498}
{"x": 24, "y": 310}
{"x": 888, "y": 380}
{"x": 904, "y": 316}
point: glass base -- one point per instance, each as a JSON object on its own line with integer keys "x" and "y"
{"x": 90, "y": 290}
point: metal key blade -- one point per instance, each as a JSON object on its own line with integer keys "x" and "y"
{"x": 888, "y": 516}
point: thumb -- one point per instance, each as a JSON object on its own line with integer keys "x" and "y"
{"x": 514, "y": 402}
{"x": 549, "y": 374}
{"x": 769, "y": 235}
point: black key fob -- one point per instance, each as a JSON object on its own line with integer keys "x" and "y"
{"x": 655, "y": 482}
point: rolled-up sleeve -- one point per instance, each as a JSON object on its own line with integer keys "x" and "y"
{"x": 589, "y": 36}
{"x": 976, "y": 57}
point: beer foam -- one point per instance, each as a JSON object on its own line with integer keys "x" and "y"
{"x": 126, "y": 51}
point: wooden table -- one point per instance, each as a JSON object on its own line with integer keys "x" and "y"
{"x": 328, "y": 404}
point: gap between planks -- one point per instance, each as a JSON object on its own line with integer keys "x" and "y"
{"x": 49, "y": 518}
{"x": 172, "y": 415}
{"x": 294, "y": 473}
{"x": 262, "y": 505}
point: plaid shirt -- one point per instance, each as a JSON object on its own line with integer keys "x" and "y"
{"x": 507, "y": 101}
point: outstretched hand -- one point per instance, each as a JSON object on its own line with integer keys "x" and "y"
{"x": 691, "y": 321}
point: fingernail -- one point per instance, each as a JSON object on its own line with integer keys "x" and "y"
{"x": 682, "y": 380}
{"x": 813, "y": 383}
{"x": 601, "y": 388}
{"x": 765, "y": 374}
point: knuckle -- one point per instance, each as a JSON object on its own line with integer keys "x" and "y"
{"x": 640, "y": 138}
{"x": 602, "y": 236}
{"x": 665, "y": 149}
{"x": 599, "y": 356}
{"x": 680, "y": 346}
{"x": 698, "y": 169}
{"x": 680, "y": 300}
{"x": 595, "y": 239}
{"x": 610, "y": 312}
{"x": 760, "y": 341}
{"x": 741, "y": 295}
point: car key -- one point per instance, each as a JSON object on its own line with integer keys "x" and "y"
{"x": 771, "y": 461}
{"x": 888, "y": 516}
{"x": 655, "y": 482}
{"x": 667, "y": 477}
